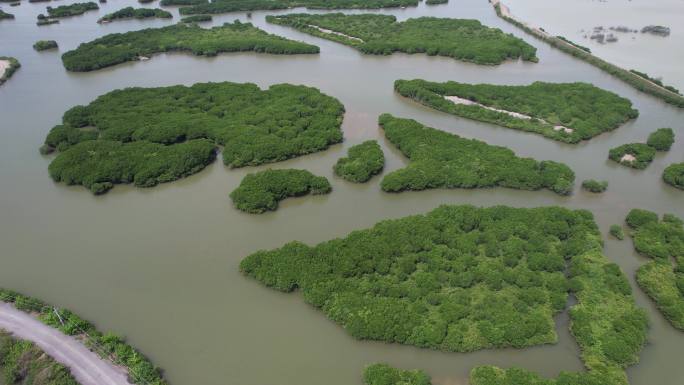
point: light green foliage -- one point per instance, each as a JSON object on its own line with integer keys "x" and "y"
{"x": 661, "y": 139}
{"x": 674, "y": 175}
{"x": 462, "y": 39}
{"x": 443, "y": 160}
{"x": 595, "y": 186}
{"x": 383, "y": 374}
{"x": 23, "y": 363}
{"x": 663, "y": 278}
{"x": 122, "y": 47}
{"x": 140, "y": 370}
{"x": 643, "y": 155}
{"x": 71, "y": 9}
{"x": 261, "y": 191}
{"x": 584, "y": 109}
{"x": 616, "y": 231}
{"x": 459, "y": 278}
{"x": 363, "y": 161}
{"x": 136, "y": 13}
{"x": 42, "y": 45}
{"x": 225, "y": 6}
{"x": 13, "y": 67}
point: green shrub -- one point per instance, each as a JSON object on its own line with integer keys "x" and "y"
{"x": 363, "y": 161}
{"x": 196, "y": 19}
{"x": 123, "y": 47}
{"x": 595, "y": 186}
{"x": 661, "y": 139}
{"x": 5, "y": 16}
{"x": 204, "y": 6}
{"x": 136, "y": 13}
{"x": 71, "y": 9}
{"x": 637, "y": 218}
{"x": 383, "y": 374}
{"x": 42, "y": 45}
{"x": 261, "y": 191}
{"x": 462, "y": 39}
{"x": 443, "y": 160}
{"x": 674, "y": 175}
{"x": 567, "y": 112}
{"x": 25, "y": 363}
{"x": 9, "y": 71}
{"x": 635, "y": 155}
{"x": 616, "y": 231}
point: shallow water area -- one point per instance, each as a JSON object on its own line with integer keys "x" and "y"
{"x": 160, "y": 265}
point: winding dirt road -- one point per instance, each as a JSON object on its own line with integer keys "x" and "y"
{"x": 86, "y": 367}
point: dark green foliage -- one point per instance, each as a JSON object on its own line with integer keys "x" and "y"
{"x": 182, "y": 2}
{"x": 13, "y": 67}
{"x": 225, "y": 6}
{"x": 585, "y": 110}
{"x": 443, "y": 160}
{"x": 616, "y": 231}
{"x": 147, "y": 136}
{"x": 24, "y": 363}
{"x": 196, "y": 19}
{"x": 122, "y": 47}
{"x": 140, "y": 370}
{"x": 459, "y": 278}
{"x": 461, "y": 39}
{"x": 643, "y": 155}
{"x": 363, "y": 161}
{"x": 674, "y": 175}
{"x": 45, "y": 21}
{"x": 42, "y": 45}
{"x": 383, "y": 374}
{"x": 434, "y": 2}
{"x": 595, "y": 186}
{"x": 71, "y": 9}
{"x": 661, "y": 139}
{"x": 5, "y": 16}
{"x": 663, "y": 278}
{"x": 261, "y": 191}
{"x": 136, "y": 13}
{"x": 656, "y": 81}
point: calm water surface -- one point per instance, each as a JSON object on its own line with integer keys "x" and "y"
{"x": 160, "y": 265}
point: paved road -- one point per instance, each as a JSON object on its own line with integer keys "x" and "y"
{"x": 86, "y": 367}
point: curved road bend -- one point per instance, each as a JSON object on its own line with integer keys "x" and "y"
{"x": 86, "y": 367}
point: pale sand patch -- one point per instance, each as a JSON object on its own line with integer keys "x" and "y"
{"x": 627, "y": 158}
{"x": 331, "y": 32}
{"x": 4, "y": 66}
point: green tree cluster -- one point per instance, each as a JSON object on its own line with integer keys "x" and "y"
{"x": 9, "y": 71}
{"x": 196, "y": 19}
{"x": 461, "y": 39}
{"x": 435, "y": 2}
{"x": 74, "y": 9}
{"x": 461, "y": 278}
{"x": 109, "y": 346}
{"x": 656, "y": 81}
{"x": 641, "y": 155}
{"x": 584, "y": 109}
{"x": 383, "y": 374}
{"x": 5, "y": 16}
{"x": 663, "y": 278}
{"x": 260, "y": 192}
{"x": 136, "y": 13}
{"x": 361, "y": 163}
{"x": 595, "y": 186}
{"x": 674, "y": 175}
{"x": 122, "y": 47}
{"x": 443, "y": 160}
{"x": 225, "y": 6}
{"x": 24, "y": 363}
{"x": 661, "y": 139}
{"x": 42, "y": 45}
{"x": 616, "y": 231}
{"x": 147, "y": 136}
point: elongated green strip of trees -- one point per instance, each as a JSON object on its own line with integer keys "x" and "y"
{"x": 461, "y": 39}
{"x": 71, "y": 9}
{"x": 567, "y": 112}
{"x": 443, "y": 160}
{"x": 136, "y": 13}
{"x": 26, "y": 364}
{"x": 118, "y": 48}
{"x": 363, "y": 161}
{"x": 383, "y": 374}
{"x": 225, "y": 6}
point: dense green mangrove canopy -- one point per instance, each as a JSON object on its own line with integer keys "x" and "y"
{"x": 136, "y": 13}
{"x": 261, "y": 191}
{"x": 567, "y": 112}
{"x": 443, "y": 160}
{"x": 71, "y": 9}
{"x": 661, "y": 139}
{"x": 634, "y": 155}
{"x": 122, "y": 47}
{"x": 42, "y": 45}
{"x": 461, "y": 39}
{"x": 151, "y": 135}
{"x": 9, "y": 71}
{"x": 363, "y": 161}
{"x": 224, "y": 6}
{"x": 383, "y": 374}
{"x": 25, "y": 363}
{"x": 663, "y": 278}
{"x": 674, "y": 175}
{"x": 462, "y": 278}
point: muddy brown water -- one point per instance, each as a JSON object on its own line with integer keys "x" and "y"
{"x": 160, "y": 265}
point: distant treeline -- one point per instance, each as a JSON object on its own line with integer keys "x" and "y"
{"x": 136, "y": 13}
{"x": 224, "y": 6}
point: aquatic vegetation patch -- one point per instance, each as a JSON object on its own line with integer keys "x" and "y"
{"x": 595, "y": 186}
{"x": 135, "y": 13}
{"x": 71, "y": 9}
{"x": 225, "y": 6}
{"x": 674, "y": 175}
{"x": 634, "y": 155}
{"x": 567, "y": 112}
{"x": 261, "y": 191}
{"x": 5, "y": 16}
{"x": 461, "y": 39}
{"x": 196, "y": 19}
{"x": 663, "y": 278}
{"x": 443, "y": 160}
{"x": 118, "y": 48}
{"x": 11, "y": 65}
{"x": 147, "y": 136}
{"x": 361, "y": 163}
{"x": 26, "y": 364}
{"x": 616, "y": 231}
{"x": 42, "y": 45}
{"x": 383, "y": 374}
{"x": 661, "y": 139}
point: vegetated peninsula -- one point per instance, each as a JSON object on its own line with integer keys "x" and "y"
{"x": 23, "y": 362}
{"x": 71, "y": 9}
{"x": 108, "y": 345}
{"x": 8, "y": 66}
{"x": 261, "y": 191}
{"x": 674, "y": 175}
{"x": 462, "y": 278}
{"x": 461, "y": 39}
{"x": 443, "y": 160}
{"x": 147, "y": 136}
{"x": 567, "y": 112}
{"x": 663, "y": 278}
{"x": 135, "y": 13}
{"x": 225, "y": 6}
{"x": 136, "y": 45}
{"x": 363, "y": 161}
